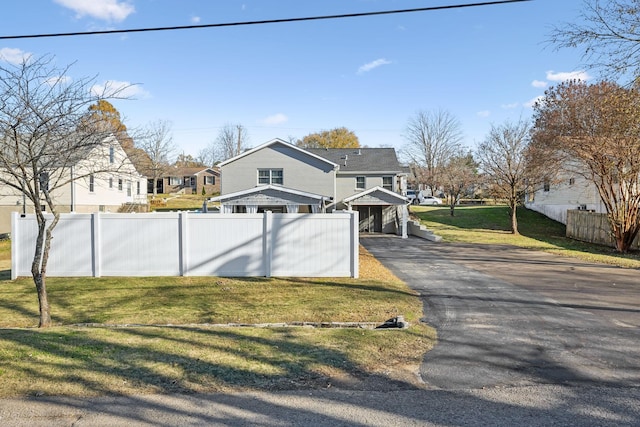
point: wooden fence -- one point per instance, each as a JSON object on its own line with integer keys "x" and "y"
{"x": 591, "y": 227}
{"x": 193, "y": 244}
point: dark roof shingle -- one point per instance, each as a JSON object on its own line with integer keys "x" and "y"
{"x": 361, "y": 159}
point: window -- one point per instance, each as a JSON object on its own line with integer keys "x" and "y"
{"x": 129, "y": 184}
{"x": 138, "y": 188}
{"x": 387, "y": 183}
{"x": 92, "y": 183}
{"x": 360, "y": 182}
{"x": 44, "y": 181}
{"x": 120, "y": 184}
{"x": 210, "y": 180}
{"x": 271, "y": 176}
{"x": 110, "y": 182}
{"x": 175, "y": 180}
{"x": 572, "y": 181}
{"x": 112, "y": 156}
{"x": 546, "y": 186}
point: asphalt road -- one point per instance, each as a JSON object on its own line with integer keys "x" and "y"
{"x": 512, "y": 317}
{"x": 525, "y": 338}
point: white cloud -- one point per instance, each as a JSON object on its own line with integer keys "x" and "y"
{"x": 106, "y": 10}
{"x": 14, "y": 56}
{"x": 571, "y": 75}
{"x": 59, "y": 80}
{"x": 531, "y": 103}
{"x": 483, "y": 113}
{"x": 373, "y": 64}
{"x": 195, "y": 19}
{"x": 538, "y": 83}
{"x": 276, "y": 119}
{"x": 510, "y": 106}
{"x": 117, "y": 89}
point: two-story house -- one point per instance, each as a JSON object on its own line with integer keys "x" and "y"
{"x": 104, "y": 180}
{"x": 281, "y": 177}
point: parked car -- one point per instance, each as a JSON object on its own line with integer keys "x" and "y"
{"x": 430, "y": 200}
{"x": 412, "y": 197}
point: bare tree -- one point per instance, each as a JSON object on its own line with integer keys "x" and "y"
{"x": 503, "y": 160}
{"x": 608, "y": 33}
{"x": 232, "y": 140}
{"x": 157, "y": 142}
{"x": 593, "y": 130}
{"x": 46, "y": 131}
{"x": 460, "y": 177}
{"x": 432, "y": 139}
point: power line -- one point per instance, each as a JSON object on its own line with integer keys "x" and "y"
{"x": 269, "y": 21}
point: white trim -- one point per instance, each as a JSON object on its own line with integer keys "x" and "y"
{"x": 263, "y": 188}
{"x": 372, "y": 190}
{"x": 272, "y": 142}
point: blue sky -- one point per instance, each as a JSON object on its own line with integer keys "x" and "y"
{"x": 371, "y": 74}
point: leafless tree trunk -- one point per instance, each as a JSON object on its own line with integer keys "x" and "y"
{"x": 45, "y": 130}
{"x": 460, "y": 175}
{"x": 157, "y": 142}
{"x": 502, "y": 157}
{"x": 432, "y": 138}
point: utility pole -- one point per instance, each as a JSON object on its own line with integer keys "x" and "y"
{"x": 239, "y": 140}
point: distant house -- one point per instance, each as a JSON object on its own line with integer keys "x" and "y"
{"x": 188, "y": 180}
{"x": 282, "y": 177}
{"x": 117, "y": 185}
{"x": 566, "y": 192}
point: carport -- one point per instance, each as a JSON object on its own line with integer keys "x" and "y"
{"x": 381, "y": 211}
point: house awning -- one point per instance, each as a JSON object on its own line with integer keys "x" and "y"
{"x": 270, "y": 195}
{"x": 376, "y": 196}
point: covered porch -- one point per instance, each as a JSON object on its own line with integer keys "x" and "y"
{"x": 271, "y": 198}
{"x": 380, "y": 211}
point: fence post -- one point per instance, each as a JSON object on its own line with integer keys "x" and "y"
{"x": 183, "y": 244}
{"x": 15, "y": 241}
{"x": 355, "y": 244}
{"x": 267, "y": 249}
{"x": 96, "y": 234}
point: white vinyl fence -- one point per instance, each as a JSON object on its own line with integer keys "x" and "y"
{"x": 193, "y": 244}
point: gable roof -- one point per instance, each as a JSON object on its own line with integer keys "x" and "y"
{"x": 379, "y": 194}
{"x": 273, "y": 142}
{"x": 274, "y": 191}
{"x": 361, "y": 159}
{"x": 190, "y": 171}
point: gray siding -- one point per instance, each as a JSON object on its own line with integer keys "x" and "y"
{"x": 300, "y": 171}
{"x": 346, "y": 183}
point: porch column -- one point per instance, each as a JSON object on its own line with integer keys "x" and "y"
{"x": 405, "y": 221}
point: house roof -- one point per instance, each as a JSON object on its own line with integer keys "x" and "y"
{"x": 273, "y": 142}
{"x": 377, "y": 194}
{"x": 273, "y": 192}
{"x": 361, "y": 159}
{"x": 189, "y": 171}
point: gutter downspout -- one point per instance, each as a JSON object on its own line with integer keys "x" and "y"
{"x": 73, "y": 192}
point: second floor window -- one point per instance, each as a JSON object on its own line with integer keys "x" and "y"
{"x": 120, "y": 184}
{"x": 92, "y": 183}
{"x": 270, "y": 176}
{"x": 387, "y": 183}
{"x": 112, "y": 154}
{"x": 360, "y": 182}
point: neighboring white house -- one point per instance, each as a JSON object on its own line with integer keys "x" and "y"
{"x": 281, "y": 177}
{"x": 568, "y": 191}
{"x": 118, "y": 184}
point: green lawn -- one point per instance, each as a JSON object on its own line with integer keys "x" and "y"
{"x": 490, "y": 225}
{"x": 126, "y": 351}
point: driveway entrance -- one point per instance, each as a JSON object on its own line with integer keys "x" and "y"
{"x": 507, "y": 316}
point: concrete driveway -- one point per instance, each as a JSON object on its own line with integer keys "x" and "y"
{"x": 512, "y": 317}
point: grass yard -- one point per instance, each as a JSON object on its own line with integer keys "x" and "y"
{"x": 177, "y": 202}
{"x": 490, "y": 225}
{"x": 192, "y": 356}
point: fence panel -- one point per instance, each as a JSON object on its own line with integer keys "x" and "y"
{"x": 174, "y": 243}
{"x": 591, "y": 227}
